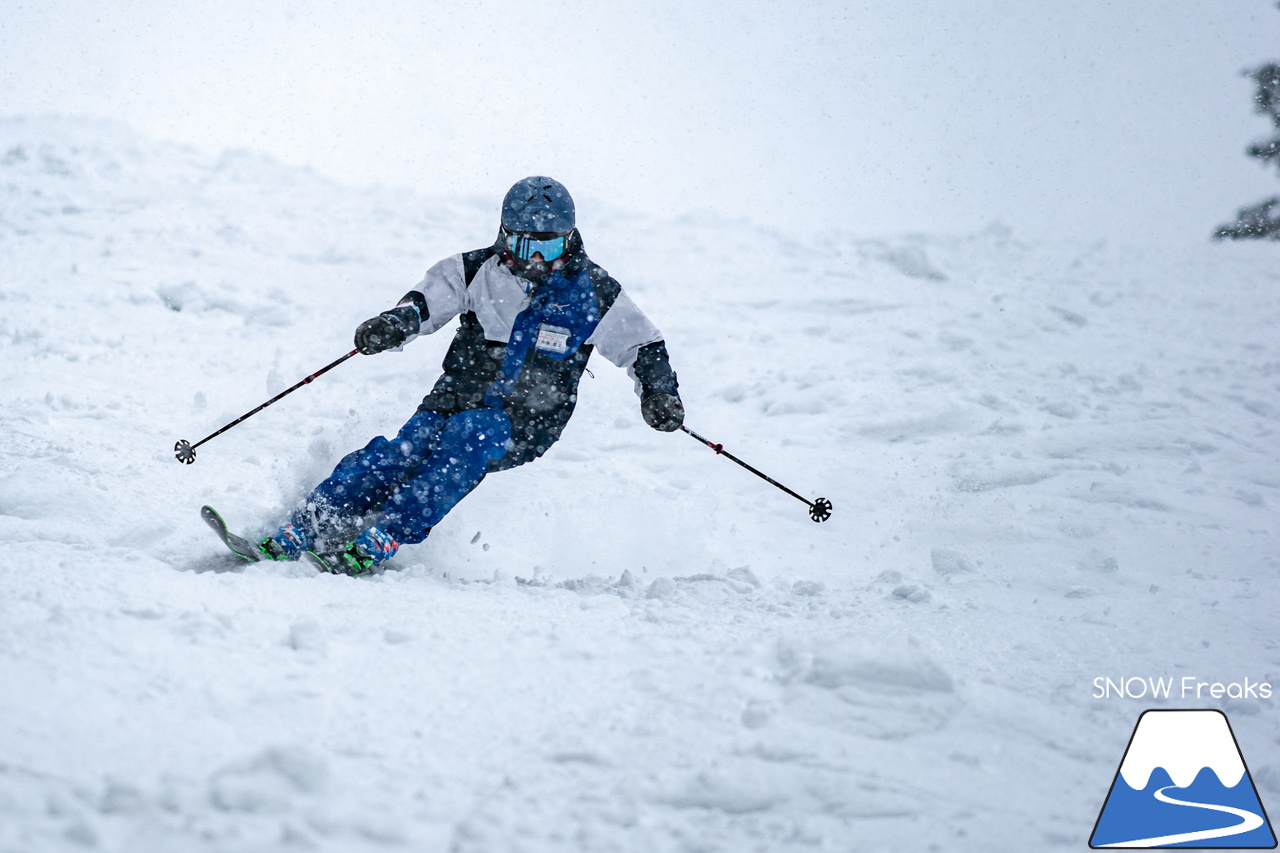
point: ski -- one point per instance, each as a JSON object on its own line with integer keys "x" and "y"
{"x": 315, "y": 561}
{"x": 249, "y": 551}
{"x": 238, "y": 545}
{"x": 330, "y": 563}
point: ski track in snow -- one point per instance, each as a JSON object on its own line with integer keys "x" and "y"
{"x": 1049, "y": 462}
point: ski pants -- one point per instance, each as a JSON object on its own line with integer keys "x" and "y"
{"x": 411, "y": 481}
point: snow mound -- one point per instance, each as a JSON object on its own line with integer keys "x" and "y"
{"x": 1036, "y": 454}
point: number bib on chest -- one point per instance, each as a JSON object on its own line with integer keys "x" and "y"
{"x": 553, "y": 339}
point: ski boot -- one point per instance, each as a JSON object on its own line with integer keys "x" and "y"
{"x": 359, "y": 557}
{"x": 288, "y": 543}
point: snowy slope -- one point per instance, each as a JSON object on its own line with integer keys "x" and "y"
{"x": 1049, "y": 463}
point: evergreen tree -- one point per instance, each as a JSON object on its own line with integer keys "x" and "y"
{"x": 1261, "y": 221}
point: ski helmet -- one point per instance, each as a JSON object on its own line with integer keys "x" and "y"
{"x": 538, "y": 205}
{"x": 538, "y": 234}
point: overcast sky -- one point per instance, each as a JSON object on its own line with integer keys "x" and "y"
{"x": 1083, "y": 118}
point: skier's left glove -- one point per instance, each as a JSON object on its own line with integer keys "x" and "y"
{"x": 379, "y": 334}
{"x": 663, "y": 412}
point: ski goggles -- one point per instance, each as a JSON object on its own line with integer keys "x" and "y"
{"x": 525, "y": 245}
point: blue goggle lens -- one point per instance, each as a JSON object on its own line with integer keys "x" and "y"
{"x": 524, "y": 247}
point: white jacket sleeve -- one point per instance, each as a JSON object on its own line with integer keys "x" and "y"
{"x": 444, "y": 291}
{"x": 622, "y": 331}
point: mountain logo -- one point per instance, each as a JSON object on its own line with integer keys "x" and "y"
{"x": 1183, "y": 783}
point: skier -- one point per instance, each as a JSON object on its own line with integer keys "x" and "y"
{"x": 533, "y": 306}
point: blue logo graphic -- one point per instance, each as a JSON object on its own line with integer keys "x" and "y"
{"x": 1183, "y": 783}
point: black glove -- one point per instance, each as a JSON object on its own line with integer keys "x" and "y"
{"x": 663, "y": 412}
{"x": 379, "y": 334}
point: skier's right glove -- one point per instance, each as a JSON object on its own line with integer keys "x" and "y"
{"x": 663, "y": 412}
{"x": 381, "y": 333}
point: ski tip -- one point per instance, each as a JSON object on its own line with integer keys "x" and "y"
{"x": 238, "y": 545}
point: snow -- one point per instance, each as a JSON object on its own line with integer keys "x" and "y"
{"x": 1049, "y": 462}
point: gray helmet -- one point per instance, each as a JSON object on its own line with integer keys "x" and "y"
{"x": 540, "y": 205}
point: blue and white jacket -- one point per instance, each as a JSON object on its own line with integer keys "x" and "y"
{"x": 522, "y": 345}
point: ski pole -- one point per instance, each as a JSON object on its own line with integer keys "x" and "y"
{"x": 185, "y": 451}
{"x": 819, "y": 508}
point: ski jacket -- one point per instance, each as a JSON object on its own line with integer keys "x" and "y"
{"x": 522, "y": 345}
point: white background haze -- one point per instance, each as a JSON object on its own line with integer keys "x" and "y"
{"x": 1082, "y": 119}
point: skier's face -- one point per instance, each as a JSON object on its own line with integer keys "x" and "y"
{"x": 534, "y": 269}
{"x": 533, "y": 255}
